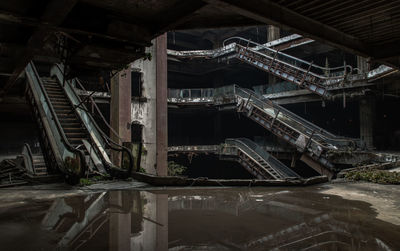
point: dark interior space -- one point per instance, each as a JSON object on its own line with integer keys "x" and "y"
{"x": 17, "y": 127}
{"x": 209, "y": 127}
{"x": 387, "y": 124}
{"x": 336, "y": 117}
{"x": 211, "y": 166}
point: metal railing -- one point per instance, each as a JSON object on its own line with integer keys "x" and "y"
{"x": 191, "y": 94}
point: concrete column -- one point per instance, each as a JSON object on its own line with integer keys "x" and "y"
{"x": 162, "y": 105}
{"x": 218, "y": 81}
{"x": 120, "y": 224}
{"x": 152, "y": 110}
{"x": 273, "y": 33}
{"x": 120, "y": 110}
{"x": 367, "y": 109}
{"x": 362, "y": 64}
{"x": 162, "y": 219}
{"x": 367, "y": 112}
{"x": 154, "y": 235}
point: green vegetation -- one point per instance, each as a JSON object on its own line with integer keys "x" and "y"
{"x": 376, "y": 176}
{"x": 92, "y": 180}
{"x": 175, "y": 169}
{"x": 85, "y": 182}
{"x": 148, "y": 56}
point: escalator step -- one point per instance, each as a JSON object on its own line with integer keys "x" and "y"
{"x": 75, "y": 134}
{"x": 52, "y": 85}
{"x": 71, "y": 126}
{"x": 58, "y": 99}
{"x": 60, "y": 102}
{"x": 52, "y": 95}
{"x": 61, "y": 106}
{"x": 53, "y": 88}
{"x": 66, "y": 115}
{"x": 63, "y": 111}
{"x": 78, "y": 131}
{"x": 70, "y": 119}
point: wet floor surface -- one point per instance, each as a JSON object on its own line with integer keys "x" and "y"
{"x": 196, "y": 219}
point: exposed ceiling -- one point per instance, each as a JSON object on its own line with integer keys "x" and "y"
{"x": 108, "y": 34}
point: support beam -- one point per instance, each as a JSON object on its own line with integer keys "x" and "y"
{"x": 162, "y": 105}
{"x": 367, "y": 112}
{"x": 273, "y": 33}
{"x": 270, "y": 12}
{"x": 316, "y": 166}
{"x": 182, "y": 12}
{"x": 55, "y": 13}
{"x": 6, "y": 17}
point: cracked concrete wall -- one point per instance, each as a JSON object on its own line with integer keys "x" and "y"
{"x": 144, "y": 110}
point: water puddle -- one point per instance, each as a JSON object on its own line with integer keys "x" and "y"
{"x": 197, "y": 219}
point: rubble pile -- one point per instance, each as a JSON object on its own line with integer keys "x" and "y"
{"x": 12, "y": 172}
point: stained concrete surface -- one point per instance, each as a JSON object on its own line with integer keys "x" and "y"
{"x": 385, "y": 199}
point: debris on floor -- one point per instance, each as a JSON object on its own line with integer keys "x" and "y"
{"x": 12, "y": 172}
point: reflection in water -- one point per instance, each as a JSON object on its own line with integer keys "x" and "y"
{"x": 235, "y": 219}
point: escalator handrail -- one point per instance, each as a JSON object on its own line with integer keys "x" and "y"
{"x": 97, "y": 108}
{"x": 57, "y": 122}
{"x": 324, "y": 80}
{"x": 310, "y": 126}
{"x": 282, "y": 169}
{"x": 106, "y": 139}
{"x": 247, "y": 149}
{"x": 287, "y": 55}
{"x": 287, "y": 112}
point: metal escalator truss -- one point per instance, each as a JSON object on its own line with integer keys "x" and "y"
{"x": 318, "y": 79}
{"x": 287, "y": 71}
{"x": 257, "y": 161}
{"x": 99, "y": 141}
{"x": 305, "y": 136}
{"x": 60, "y": 154}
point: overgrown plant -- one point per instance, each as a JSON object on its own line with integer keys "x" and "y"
{"x": 175, "y": 169}
{"x": 376, "y": 176}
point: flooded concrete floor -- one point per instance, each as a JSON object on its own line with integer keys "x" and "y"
{"x": 338, "y": 216}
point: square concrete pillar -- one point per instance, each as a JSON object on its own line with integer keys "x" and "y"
{"x": 120, "y": 110}
{"x": 367, "y": 117}
{"x": 162, "y": 105}
{"x": 273, "y": 33}
{"x": 119, "y": 224}
{"x": 152, "y": 111}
